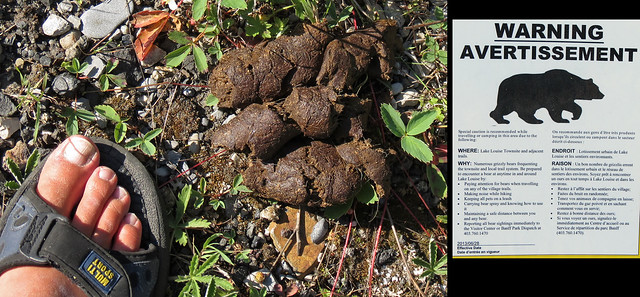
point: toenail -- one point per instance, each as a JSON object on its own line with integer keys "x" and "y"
{"x": 119, "y": 193}
{"x": 130, "y": 219}
{"x": 79, "y": 151}
{"x": 106, "y": 174}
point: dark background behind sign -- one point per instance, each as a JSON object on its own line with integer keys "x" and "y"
{"x": 538, "y": 277}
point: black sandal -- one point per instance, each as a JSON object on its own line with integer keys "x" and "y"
{"x": 32, "y": 233}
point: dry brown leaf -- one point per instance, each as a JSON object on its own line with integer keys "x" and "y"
{"x": 151, "y": 24}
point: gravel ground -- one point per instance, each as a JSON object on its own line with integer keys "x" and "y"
{"x": 37, "y": 37}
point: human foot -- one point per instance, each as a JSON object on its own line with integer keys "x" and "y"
{"x": 74, "y": 185}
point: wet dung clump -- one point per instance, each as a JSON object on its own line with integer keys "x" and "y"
{"x": 305, "y": 134}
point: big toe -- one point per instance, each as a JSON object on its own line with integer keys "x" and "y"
{"x": 66, "y": 171}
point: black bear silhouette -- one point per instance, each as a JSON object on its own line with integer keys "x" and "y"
{"x": 554, "y": 90}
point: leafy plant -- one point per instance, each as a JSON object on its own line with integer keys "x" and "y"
{"x": 433, "y": 52}
{"x": 74, "y": 66}
{"x": 32, "y": 97}
{"x": 214, "y": 285}
{"x": 367, "y": 195}
{"x": 419, "y": 123}
{"x": 175, "y": 58}
{"x": 72, "y": 115}
{"x": 237, "y": 186}
{"x": 110, "y": 114}
{"x": 179, "y": 234}
{"x": 107, "y": 77}
{"x": 253, "y": 292}
{"x": 144, "y": 142}
{"x": 433, "y": 265}
{"x": 32, "y": 162}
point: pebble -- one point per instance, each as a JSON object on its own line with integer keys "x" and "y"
{"x": 19, "y": 154}
{"x": 95, "y": 66}
{"x": 102, "y": 19}
{"x": 261, "y": 278}
{"x": 65, "y": 84}
{"x": 69, "y": 39}
{"x": 194, "y": 143}
{"x": 8, "y": 126}
{"x": 408, "y": 98}
{"x": 270, "y": 213}
{"x": 55, "y": 25}
{"x": 320, "y": 231}
{"x": 396, "y": 88}
{"x": 7, "y": 107}
{"x": 154, "y": 56}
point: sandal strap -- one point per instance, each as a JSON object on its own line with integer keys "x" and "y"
{"x": 34, "y": 234}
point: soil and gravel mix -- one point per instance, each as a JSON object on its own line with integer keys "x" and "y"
{"x": 298, "y": 117}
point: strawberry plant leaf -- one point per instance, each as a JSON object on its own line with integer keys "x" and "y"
{"x": 197, "y": 9}
{"x": 392, "y": 119}
{"x": 416, "y": 148}
{"x": 176, "y": 57}
{"x": 200, "y": 58}
{"x": 234, "y": 4}
{"x": 421, "y": 121}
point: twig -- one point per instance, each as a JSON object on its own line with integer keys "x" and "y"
{"x": 375, "y": 246}
{"x": 424, "y": 24}
{"x": 344, "y": 252}
{"x": 404, "y": 261}
{"x": 300, "y": 230}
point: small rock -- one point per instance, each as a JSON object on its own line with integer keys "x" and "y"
{"x": 188, "y": 92}
{"x": 320, "y": 231}
{"x": 94, "y": 68}
{"x": 270, "y": 213}
{"x": 261, "y": 278}
{"x": 304, "y": 263}
{"x": 65, "y": 7}
{"x": 69, "y": 39}
{"x": 55, "y": 25}
{"x": 7, "y": 107}
{"x": 75, "y": 22}
{"x": 65, "y": 84}
{"x": 81, "y": 103}
{"x": 408, "y": 98}
{"x": 8, "y": 126}
{"x": 385, "y": 257}
{"x": 102, "y": 19}
{"x": 396, "y": 88}
{"x": 194, "y": 143}
{"x": 163, "y": 171}
{"x": 154, "y": 56}
{"x": 19, "y": 154}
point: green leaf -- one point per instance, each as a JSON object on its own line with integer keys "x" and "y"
{"x": 255, "y": 26}
{"x": 117, "y": 80}
{"x": 421, "y": 121}
{"x": 437, "y": 183}
{"x": 152, "y": 134}
{"x": 212, "y": 100}
{"x": 12, "y": 185}
{"x": 148, "y": 148}
{"x": 181, "y": 237}
{"x": 336, "y": 211}
{"x": 176, "y": 57}
{"x": 391, "y": 118}
{"x": 197, "y": 224}
{"x": 85, "y": 115}
{"x": 32, "y": 162}
{"x": 198, "y": 7}
{"x": 15, "y": 170}
{"x": 133, "y": 143}
{"x": 200, "y": 59}
{"x": 111, "y": 64}
{"x": 108, "y": 112}
{"x": 183, "y": 200}
{"x": 223, "y": 283}
{"x": 179, "y": 36}
{"x": 72, "y": 125}
{"x": 237, "y": 180}
{"x": 367, "y": 194}
{"x": 234, "y": 4}
{"x": 417, "y": 148}
{"x": 120, "y": 131}
{"x": 216, "y": 50}
{"x": 104, "y": 82}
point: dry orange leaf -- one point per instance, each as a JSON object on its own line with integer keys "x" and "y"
{"x": 151, "y": 24}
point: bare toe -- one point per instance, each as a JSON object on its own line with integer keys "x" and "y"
{"x": 98, "y": 190}
{"x": 127, "y": 238}
{"x": 66, "y": 172}
{"x": 113, "y": 212}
